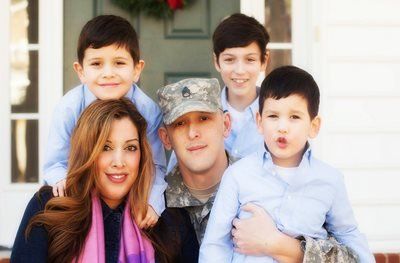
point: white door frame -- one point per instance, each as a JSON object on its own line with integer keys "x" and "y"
{"x": 14, "y": 196}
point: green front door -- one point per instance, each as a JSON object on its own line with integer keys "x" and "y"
{"x": 173, "y": 49}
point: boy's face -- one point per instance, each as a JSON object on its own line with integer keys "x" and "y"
{"x": 286, "y": 126}
{"x": 109, "y": 72}
{"x": 197, "y": 139}
{"x": 239, "y": 68}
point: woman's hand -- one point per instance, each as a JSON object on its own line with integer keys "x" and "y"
{"x": 59, "y": 188}
{"x": 149, "y": 220}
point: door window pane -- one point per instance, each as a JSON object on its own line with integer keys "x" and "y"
{"x": 24, "y": 151}
{"x": 279, "y": 58}
{"x": 24, "y": 22}
{"x": 24, "y": 81}
{"x": 278, "y": 20}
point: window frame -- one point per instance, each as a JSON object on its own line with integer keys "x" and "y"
{"x": 50, "y": 85}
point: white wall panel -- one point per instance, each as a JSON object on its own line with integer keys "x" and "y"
{"x": 376, "y": 11}
{"x": 362, "y": 114}
{"x": 363, "y": 150}
{"x": 363, "y": 41}
{"x": 363, "y": 78}
{"x": 380, "y": 225}
{"x": 373, "y": 186}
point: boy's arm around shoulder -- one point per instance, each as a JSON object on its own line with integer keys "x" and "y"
{"x": 341, "y": 223}
{"x": 33, "y": 248}
{"x": 62, "y": 124}
{"x": 152, "y": 113}
{"x": 217, "y": 244}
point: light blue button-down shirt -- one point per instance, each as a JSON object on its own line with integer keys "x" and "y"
{"x": 65, "y": 117}
{"x": 315, "y": 196}
{"x": 247, "y": 139}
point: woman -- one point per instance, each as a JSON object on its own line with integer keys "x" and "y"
{"x": 109, "y": 174}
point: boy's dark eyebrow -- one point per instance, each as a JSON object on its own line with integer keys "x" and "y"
{"x": 121, "y": 58}
{"x": 297, "y": 112}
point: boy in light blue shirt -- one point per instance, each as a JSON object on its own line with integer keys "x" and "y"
{"x": 240, "y": 55}
{"x": 108, "y": 66}
{"x": 304, "y": 196}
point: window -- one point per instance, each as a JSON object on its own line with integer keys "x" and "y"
{"x": 289, "y": 25}
{"x": 31, "y": 83}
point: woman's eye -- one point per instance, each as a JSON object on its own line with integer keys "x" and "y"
{"x": 120, "y": 63}
{"x": 272, "y": 116}
{"x": 131, "y": 148}
{"x": 204, "y": 118}
{"x": 107, "y": 148}
{"x": 295, "y": 117}
{"x": 95, "y": 64}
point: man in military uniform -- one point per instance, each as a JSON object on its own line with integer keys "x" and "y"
{"x": 195, "y": 128}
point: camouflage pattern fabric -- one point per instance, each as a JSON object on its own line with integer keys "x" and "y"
{"x": 179, "y": 196}
{"x": 189, "y": 95}
{"x": 327, "y": 251}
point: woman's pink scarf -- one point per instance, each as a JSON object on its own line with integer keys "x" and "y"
{"x": 133, "y": 248}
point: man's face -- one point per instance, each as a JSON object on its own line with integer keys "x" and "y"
{"x": 239, "y": 68}
{"x": 197, "y": 139}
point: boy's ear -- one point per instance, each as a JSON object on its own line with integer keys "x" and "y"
{"x": 163, "y": 134}
{"x": 315, "y": 126}
{"x": 216, "y": 63}
{"x": 267, "y": 59}
{"x": 138, "y": 70}
{"x": 258, "y": 122}
{"x": 227, "y": 124}
{"x": 79, "y": 71}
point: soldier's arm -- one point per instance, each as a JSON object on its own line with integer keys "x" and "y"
{"x": 327, "y": 251}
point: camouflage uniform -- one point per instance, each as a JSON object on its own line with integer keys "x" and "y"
{"x": 194, "y": 94}
{"x": 189, "y": 95}
{"x": 178, "y": 196}
{"x": 329, "y": 251}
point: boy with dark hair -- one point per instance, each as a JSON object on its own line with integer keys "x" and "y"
{"x": 240, "y": 55}
{"x": 108, "y": 66}
{"x": 304, "y": 196}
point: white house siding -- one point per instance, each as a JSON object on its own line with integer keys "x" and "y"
{"x": 358, "y": 63}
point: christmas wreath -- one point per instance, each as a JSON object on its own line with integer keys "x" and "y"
{"x": 155, "y": 8}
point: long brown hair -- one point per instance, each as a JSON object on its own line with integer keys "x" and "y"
{"x": 68, "y": 219}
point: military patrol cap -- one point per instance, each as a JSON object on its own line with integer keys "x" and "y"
{"x": 189, "y": 95}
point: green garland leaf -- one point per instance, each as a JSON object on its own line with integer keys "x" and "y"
{"x": 155, "y": 8}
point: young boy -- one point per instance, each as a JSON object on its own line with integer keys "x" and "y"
{"x": 108, "y": 66}
{"x": 240, "y": 55}
{"x": 304, "y": 196}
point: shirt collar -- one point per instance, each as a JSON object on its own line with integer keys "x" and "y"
{"x": 253, "y": 107}
{"x": 89, "y": 97}
{"x": 266, "y": 158}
